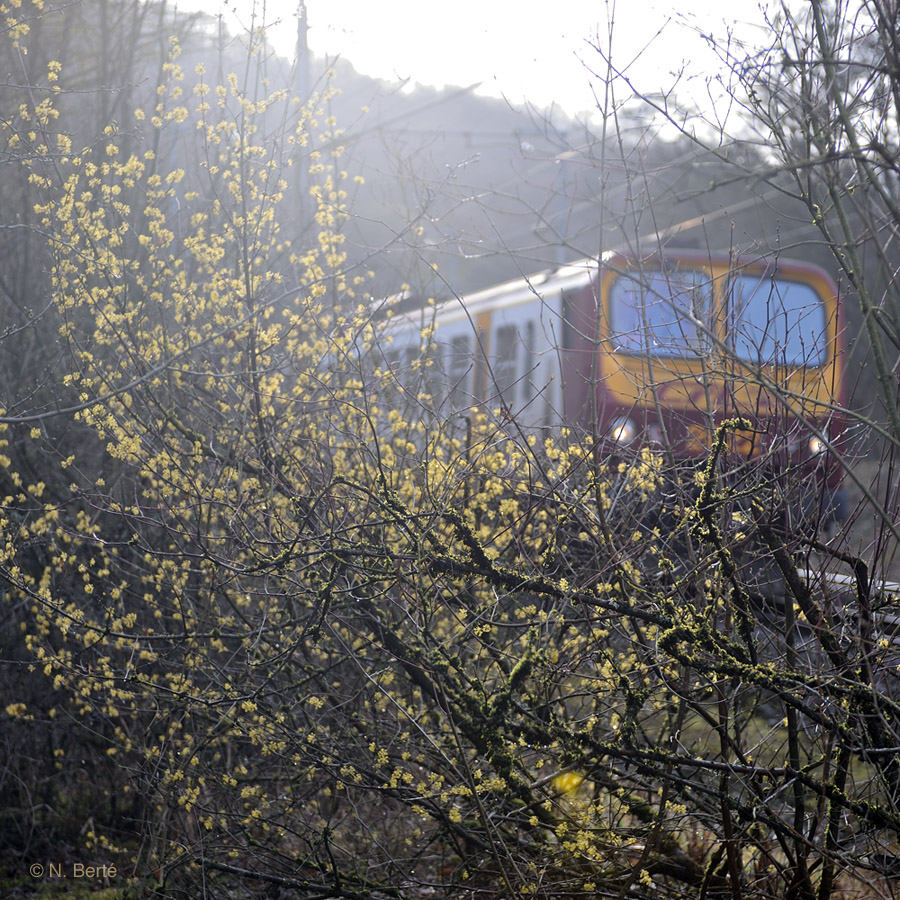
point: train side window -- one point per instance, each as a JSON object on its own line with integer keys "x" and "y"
{"x": 392, "y": 362}
{"x": 505, "y": 369}
{"x": 777, "y": 321}
{"x": 661, "y": 313}
{"x": 459, "y": 367}
{"x": 528, "y": 350}
{"x": 433, "y": 378}
{"x": 400, "y": 378}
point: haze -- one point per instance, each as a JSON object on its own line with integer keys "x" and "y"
{"x": 526, "y": 51}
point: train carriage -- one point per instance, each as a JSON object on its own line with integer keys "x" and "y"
{"x": 654, "y": 350}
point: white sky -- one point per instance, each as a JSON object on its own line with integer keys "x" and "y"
{"x": 534, "y": 50}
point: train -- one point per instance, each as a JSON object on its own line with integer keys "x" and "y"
{"x": 652, "y": 350}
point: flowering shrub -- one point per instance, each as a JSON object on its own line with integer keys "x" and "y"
{"x": 323, "y": 640}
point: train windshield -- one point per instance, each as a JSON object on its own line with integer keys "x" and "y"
{"x": 777, "y": 321}
{"x": 661, "y": 313}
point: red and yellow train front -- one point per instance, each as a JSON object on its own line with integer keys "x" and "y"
{"x": 684, "y": 342}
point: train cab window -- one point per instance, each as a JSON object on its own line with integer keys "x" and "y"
{"x": 661, "y": 313}
{"x": 504, "y": 362}
{"x": 777, "y": 321}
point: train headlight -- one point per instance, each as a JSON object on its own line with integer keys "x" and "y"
{"x": 816, "y": 446}
{"x": 622, "y": 431}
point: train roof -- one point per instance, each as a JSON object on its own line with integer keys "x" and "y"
{"x": 565, "y": 277}
{"x": 573, "y": 274}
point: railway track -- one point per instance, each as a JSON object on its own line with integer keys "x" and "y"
{"x": 884, "y": 597}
